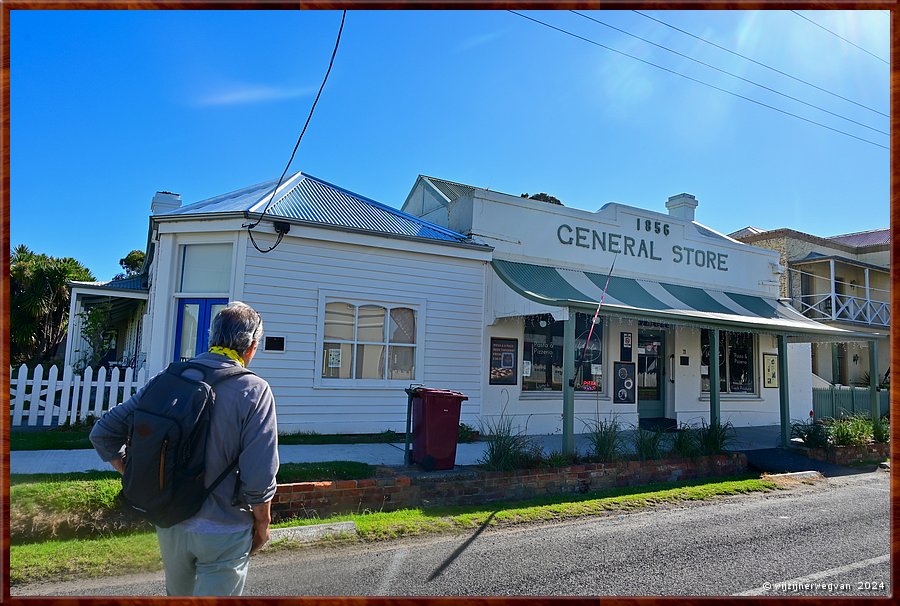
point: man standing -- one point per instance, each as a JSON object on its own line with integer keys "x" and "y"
{"x": 209, "y": 553}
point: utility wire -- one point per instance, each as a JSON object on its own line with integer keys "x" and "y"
{"x": 769, "y": 67}
{"x": 839, "y": 36}
{"x": 822, "y": 109}
{"x": 250, "y": 226}
{"x": 671, "y": 71}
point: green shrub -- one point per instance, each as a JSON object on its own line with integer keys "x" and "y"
{"x": 713, "y": 438}
{"x": 560, "y": 459}
{"x": 647, "y": 444}
{"x": 605, "y": 439}
{"x": 467, "y": 433}
{"x": 506, "y": 448}
{"x": 685, "y": 442}
{"x": 881, "y": 431}
{"x": 851, "y": 431}
{"x": 813, "y": 434}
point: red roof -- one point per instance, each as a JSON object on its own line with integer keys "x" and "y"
{"x": 872, "y": 237}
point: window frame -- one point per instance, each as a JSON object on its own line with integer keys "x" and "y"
{"x": 602, "y": 392}
{"x": 204, "y": 319}
{"x": 417, "y": 305}
{"x": 754, "y": 355}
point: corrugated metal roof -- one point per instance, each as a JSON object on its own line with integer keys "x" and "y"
{"x": 137, "y": 282}
{"x": 449, "y": 188}
{"x": 306, "y": 198}
{"x": 873, "y": 237}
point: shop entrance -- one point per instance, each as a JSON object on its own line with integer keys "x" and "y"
{"x": 651, "y": 374}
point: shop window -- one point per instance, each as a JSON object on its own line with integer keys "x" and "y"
{"x": 369, "y": 341}
{"x": 542, "y": 367}
{"x": 205, "y": 268}
{"x": 736, "y": 355}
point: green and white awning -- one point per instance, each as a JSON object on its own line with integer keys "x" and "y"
{"x": 660, "y": 301}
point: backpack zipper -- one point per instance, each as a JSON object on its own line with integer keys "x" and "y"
{"x": 162, "y": 463}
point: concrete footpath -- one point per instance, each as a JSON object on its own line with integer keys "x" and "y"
{"x": 62, "y": 461}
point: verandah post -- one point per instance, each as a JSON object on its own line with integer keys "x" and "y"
{"x": 714, "y": 400}
{"x": 783, "y": 391}
{"x": 569, "y": 384}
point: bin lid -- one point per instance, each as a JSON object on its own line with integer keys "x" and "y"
{"x": 419, "y": 390}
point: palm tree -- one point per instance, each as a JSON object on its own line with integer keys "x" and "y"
{"x": 39, "y": 303}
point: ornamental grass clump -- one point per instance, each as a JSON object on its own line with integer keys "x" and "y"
{"x": 881, "y": 431}
{"x": 714, "y": 437}
{"x": 506, "y": 448}
{"x": 604, "y": 439}
{"x": 851, "y": 431}
{"x": 647, "y": 444}
{"x": 685, "y": 442}
{"x": 813, "y": 434}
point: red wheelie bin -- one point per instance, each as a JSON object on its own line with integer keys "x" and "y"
{"x": 435, "y": 426}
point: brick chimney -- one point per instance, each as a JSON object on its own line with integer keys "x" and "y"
{"x": 164, "y": 201}
{"x": 682, "y": 206}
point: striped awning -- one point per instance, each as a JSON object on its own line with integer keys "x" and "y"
{"x": 660, "y": 301}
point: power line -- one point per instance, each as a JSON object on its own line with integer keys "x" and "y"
{"x": 250, "y": 226}
{"x": 669, "y": 25}
{"x": 839, "y": 36}
{"x": 589, "y": 41}
{"x": 822, "y": 109}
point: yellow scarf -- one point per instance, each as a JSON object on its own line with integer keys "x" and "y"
{"x": 224, "y": 351}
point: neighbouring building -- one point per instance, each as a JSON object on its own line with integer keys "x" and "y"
{"x": 473, "y": 290}
{"x": 842, "y": 281}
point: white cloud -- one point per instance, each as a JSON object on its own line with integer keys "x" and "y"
{"x": 245, "y": 94}
{"x": 476, "y": 41}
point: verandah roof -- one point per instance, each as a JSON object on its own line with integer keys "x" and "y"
{"x": 662, "y": 301}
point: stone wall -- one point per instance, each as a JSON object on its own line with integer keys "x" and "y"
{"x": 471, "y": 486}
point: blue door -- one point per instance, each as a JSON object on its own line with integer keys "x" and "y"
{"x": 192, "y": 326}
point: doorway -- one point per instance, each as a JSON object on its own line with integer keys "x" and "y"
{"x": 651, "y": 374}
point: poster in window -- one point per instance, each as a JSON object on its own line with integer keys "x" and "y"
{"x": 770, "y": 369}
{"x": 504, "y": 355}
{"x": 334, "y": 358}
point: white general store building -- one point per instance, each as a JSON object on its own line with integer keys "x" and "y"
{"x": 475, "y": 291}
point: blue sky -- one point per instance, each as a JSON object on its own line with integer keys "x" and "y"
{"x": 107, "y": 107}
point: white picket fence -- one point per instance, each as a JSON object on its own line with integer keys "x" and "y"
{"x": 39, "y": 401}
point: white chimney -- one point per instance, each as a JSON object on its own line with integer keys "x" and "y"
{"x": 164, "y": 201}
{"x": 682, "y": 206}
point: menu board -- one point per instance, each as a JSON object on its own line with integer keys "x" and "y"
{"x": 504, "y": 358}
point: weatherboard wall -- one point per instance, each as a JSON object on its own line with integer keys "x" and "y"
{"x": 287, "y": 287}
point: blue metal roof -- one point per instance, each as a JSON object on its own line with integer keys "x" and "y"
{"x": 306, "y": 198}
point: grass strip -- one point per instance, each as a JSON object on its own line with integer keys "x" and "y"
{"x": 83, "y": 558}
{"x": 80, "y": 558}
{"x": 49, "y": 440}
{"x": 412, "y": 522}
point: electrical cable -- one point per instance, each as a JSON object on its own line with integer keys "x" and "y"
{"x": 724, "y": 71}
{"x": 671, "y": 71}
{"x": 250, "y": 226}
{"x": 761, "y": 64}
{"x": 841, "y": 37}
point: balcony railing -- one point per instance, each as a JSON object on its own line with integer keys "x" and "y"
{"x": 844, "y": 308}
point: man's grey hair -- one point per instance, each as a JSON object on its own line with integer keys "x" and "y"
{"x": 237, "y": 326}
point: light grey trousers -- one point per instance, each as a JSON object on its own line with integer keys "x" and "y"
{"x": 201, "y": 563}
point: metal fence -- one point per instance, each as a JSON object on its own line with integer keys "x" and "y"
{"x": 836, "y": 402}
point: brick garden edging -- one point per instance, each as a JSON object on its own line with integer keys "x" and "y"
{"x": 847, "y": 455}
{"x": 402, "y": 489}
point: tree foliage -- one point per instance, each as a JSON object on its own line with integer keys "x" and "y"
{"x": 131, "y": 263}
{"x": 95, "y": 330}
{"x": 542, "y": 197}
{"x": 39, "y": 303}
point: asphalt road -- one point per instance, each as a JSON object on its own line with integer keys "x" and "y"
{"x": 828, "y": 539}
